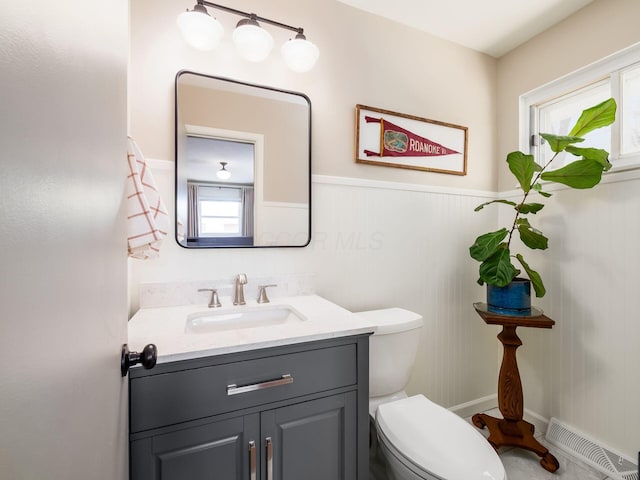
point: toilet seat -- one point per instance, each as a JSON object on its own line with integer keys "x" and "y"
{"x": 436, "y": 443}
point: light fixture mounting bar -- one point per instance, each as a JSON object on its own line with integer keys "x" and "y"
{"x": 250, "y": 15}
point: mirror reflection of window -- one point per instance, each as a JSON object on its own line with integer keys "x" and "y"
{"x": 220, "y": 211}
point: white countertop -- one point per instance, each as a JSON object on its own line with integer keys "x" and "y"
{"x": 165, "y": 327}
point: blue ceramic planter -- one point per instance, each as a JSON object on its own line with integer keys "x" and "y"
{"x": 514, "y": 299}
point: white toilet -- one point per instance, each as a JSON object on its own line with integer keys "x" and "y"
{"x": 419, "y": 439}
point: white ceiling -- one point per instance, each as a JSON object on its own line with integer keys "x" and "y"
{"x": 204, "y": 155}
{"x": 491, "y": 26}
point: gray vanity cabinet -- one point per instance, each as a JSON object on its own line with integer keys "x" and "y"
{"x": 283, "y": 413}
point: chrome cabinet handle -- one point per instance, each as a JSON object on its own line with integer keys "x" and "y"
{"x": 269, "y": 446}
{"x": 252, "y": 460}
{"x": 234, "y": 389}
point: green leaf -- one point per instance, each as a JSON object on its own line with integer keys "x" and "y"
{"x": 534, "y": 276}
{"x": 525, "y": 208}
{"x": 531, "y": 237}
{"x": 485, "y": 245}
{"x": 498, "y": 269}
{"x": 558, "y": 143}
{"x": 507, "y": 202}
{"x": 523, "y": 167}
{"x": 579, "y": 174}
{"x": 599, "y": 155}
{"x": 538, "y": 188}
{"x": 595, "y": 117}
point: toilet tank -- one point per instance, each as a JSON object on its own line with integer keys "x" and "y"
{"x": 392, "y": 349}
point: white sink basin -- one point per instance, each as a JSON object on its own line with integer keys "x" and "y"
{"x": 241, "y": 318}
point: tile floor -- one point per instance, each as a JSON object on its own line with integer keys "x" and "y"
{"x": 524, "y": 465}
{"x": 521, "y": 464}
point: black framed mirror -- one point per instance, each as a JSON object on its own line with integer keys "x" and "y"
{"x": 243, "y": 164}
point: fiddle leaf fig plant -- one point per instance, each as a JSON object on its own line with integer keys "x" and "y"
{"x": 493, "y": 249}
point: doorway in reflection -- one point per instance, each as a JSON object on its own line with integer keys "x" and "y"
{"x": 220, "y": 189}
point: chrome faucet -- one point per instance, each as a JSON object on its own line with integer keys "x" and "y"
{"x": 238, "y": 296}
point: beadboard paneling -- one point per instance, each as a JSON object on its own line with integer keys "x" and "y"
{"x": 376, "y": 245}
{"x": 585, "y": 371}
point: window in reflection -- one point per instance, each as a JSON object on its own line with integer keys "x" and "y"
{"x": 222, "y": 216}
{"x": 221, "y": 211}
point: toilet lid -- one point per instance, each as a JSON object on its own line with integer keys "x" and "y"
{"x": 437, "y": 440}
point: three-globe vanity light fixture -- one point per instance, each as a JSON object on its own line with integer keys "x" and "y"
{"x": 253, "y": 43}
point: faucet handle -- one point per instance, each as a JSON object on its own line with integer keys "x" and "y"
{"x": 215, "y": 301}
{"x": 262, "y": 293}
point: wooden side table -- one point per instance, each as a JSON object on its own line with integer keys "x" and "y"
{"x": 512, "y": 430}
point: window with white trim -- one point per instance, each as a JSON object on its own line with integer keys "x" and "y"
{"x": 555, "y": 107}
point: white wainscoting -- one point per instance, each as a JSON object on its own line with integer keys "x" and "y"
{"x": 585, "y": 371}
{"x": 279, "y": 223}
{"x": 380, "y": 244}
{"x": 374, "y": 245}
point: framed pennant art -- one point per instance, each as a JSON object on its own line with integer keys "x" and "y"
{"x": 404, "y": 141}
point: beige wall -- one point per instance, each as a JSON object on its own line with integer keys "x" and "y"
{"x": 598, "y": 30}
{"x": 278, "y": 121}
{"x": 364, "y": 59}
{"x": 583, "y": 371}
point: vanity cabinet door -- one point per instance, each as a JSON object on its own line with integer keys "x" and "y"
{"x": 314, "y": 440}
{"x": 218, "y": 450}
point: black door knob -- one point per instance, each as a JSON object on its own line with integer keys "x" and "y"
{"x": 147, "y": 358}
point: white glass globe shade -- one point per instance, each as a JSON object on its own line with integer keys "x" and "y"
{"x": 200, "y": 30}
{"x": 223, "y": 174}
{"x": 252, "y": 42}
{"x": 299, "y": 54}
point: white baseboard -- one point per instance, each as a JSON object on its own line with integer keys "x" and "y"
{"x": 540, "y": 420}
{"x": 475, "y": 406}
{"x": 490, "y": 402}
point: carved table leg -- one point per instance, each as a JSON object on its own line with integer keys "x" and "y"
{"x": 512, "y": 430}
{"x": 510, "y": 397}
